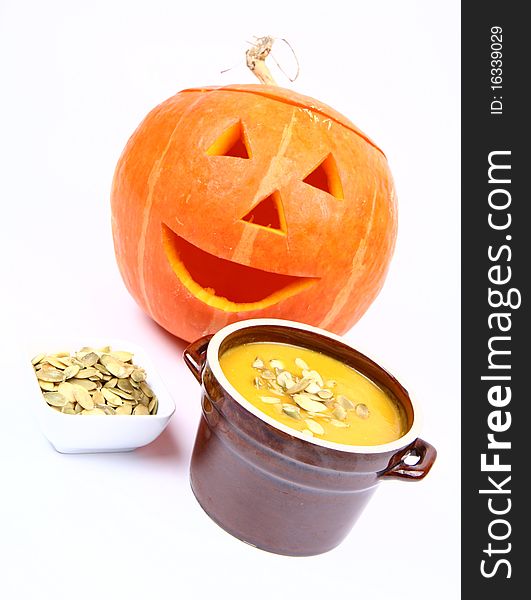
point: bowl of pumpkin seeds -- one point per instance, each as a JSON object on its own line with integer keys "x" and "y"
{"x": 99, "y": 398}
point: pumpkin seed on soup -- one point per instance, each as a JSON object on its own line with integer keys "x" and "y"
{"x": 258, "y": 363}
{"x": 339, "y": 413}
{"x": 362, "y": 411}
{"x": 292, "y": 411}
{"x": 314, "y": 394}
{"x": 301, "y": 364}
{"x": 95, "y": 382}
{"x": 314, "y": 426}
{"x": 269, "y": 400}
{"x": 276, "y": 364}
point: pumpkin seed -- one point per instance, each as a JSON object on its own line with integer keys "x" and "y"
{"x": 86, "y": 383}
{"x": 292, "y": 411}
{"x": 93, "y": 411}
{"x": 83, "y": 351}
{"x": 131, "y": 403}
{"x": 362, "y": 410}
{"x": 111, "y": 397}
{"x": 86, "y": 373}
{"x": 314, "y": 427}
{"x": 302, "y": 364}
{"x": 138, "y": 375}
{"x": 67, "y": 390}
{"x": 146, "y": 389}
{"x": 121, "y": 393}
{"x": 98, "y": 398}
{"x": 114, "y": 366}
{"x": 258, "y": 363}
{"x": 48, "y": 373}
{"x": 55, "y": 362}
{"x": 345, "y": 402}
{"x": 339, "y": 412}
{"x": 337, "y": 423}
{"x": 321, "y": 415}
{"x": 122, "y": 355}
{"x": 47, "y": 386}
{"x": 267, "y": 374}
{"x": 37, "y": 359}
{"x": 140, "y": 410}
{"x": 82, "y": 397}
{"x": 142, "y": 400}
{"x": 89, "y": 359}
{"x": 153, "y": 405}
{"x": 276, "y": 364}
{"x": 325, "y": 394}
{"x": 71, "y": 371}
{"x": 54, "y": 398}
{"x": 258, "y": 384}
{"x": 269, "y": 399}
{"x": 125, "y": 385}
{"x": 111, "y": 383}
{"x": 299, "y": 386}
{"x": 316, "y": 377}
{"x": 285, "y": 379}
{"x": 313, "y": 388}
{"x": 308, "y": 404}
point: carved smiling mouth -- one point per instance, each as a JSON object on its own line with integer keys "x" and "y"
{"x": 224, "y": 284}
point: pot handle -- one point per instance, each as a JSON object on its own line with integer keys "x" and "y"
{"x": 398, "y": 469}
{"x": 195, "y": 356}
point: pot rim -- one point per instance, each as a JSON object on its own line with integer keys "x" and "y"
{"x": 213, "y": 361}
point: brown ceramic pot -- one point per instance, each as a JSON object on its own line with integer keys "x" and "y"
{"x": 261, "y": 480}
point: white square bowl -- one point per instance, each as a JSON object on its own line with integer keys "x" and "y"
{"x": 71, "y": 434}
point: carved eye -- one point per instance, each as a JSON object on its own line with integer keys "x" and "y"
{"x": 268, "y": 213}
{"x": 325, "y": 177}
{"x": 231, "y": 142}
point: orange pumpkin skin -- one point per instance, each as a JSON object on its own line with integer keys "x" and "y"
{"x": 181, "y": 204}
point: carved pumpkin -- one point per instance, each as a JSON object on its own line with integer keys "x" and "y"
{"x": 248, "y": 201}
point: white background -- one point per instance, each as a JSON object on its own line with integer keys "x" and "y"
{"x": 76, "y": 78}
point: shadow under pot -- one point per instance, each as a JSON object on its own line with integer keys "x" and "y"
{"x": 269, "y": 485}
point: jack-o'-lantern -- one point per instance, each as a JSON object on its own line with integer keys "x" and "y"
{"x": 251, "y": 201}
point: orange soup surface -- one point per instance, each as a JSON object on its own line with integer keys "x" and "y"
{"x": 314, "y": 393}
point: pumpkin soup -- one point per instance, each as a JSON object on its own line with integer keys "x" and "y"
{"x": 314, "y": 394}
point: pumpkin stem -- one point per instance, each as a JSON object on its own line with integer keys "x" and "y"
{"x": 256, "y": 56}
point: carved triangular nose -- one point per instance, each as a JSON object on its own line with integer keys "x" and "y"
{"x": 268, "y": 213}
